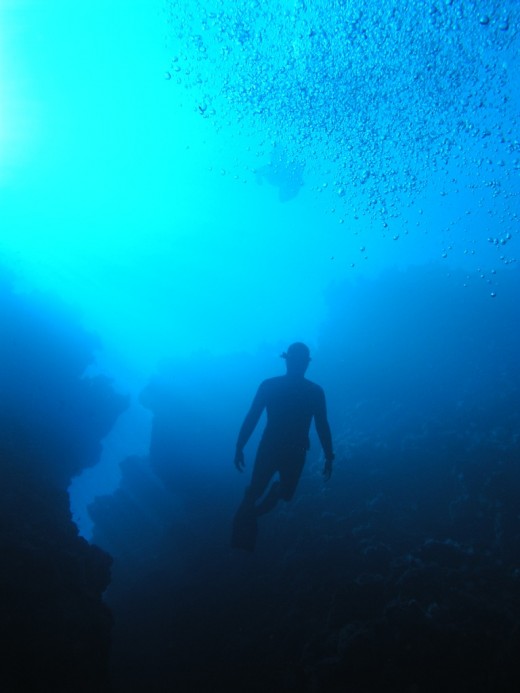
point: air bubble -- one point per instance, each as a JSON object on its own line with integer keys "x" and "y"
{"x": 315, "y": 108}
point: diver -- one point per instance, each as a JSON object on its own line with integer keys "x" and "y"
{"x": 291, "y": 402}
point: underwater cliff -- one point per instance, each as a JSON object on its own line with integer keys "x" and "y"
{"x": 55, "y": 625}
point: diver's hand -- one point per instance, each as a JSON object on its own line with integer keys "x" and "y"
{"x": 327, "y": 470}
{"x": 239, "y": 460}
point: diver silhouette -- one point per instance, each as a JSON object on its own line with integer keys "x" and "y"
{"x": 291, "y": 402}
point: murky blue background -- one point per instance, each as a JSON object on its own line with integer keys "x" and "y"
{"x": 195, "y": 177}
{"x": 185, "y": 189}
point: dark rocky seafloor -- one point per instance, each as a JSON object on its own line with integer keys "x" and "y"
{"x": 401, "y": 575}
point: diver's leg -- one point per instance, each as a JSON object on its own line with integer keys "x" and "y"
{"x": 263, "y": 472}
{"x": 290, "y": 469}
{"x": 290, "y": 472}
{"x": 268, "y": 465}
{"x": 244, "y": 523}
{"x": 270, "y": 499}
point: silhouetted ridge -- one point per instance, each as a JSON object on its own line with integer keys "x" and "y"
{"x": 55, "y": 628}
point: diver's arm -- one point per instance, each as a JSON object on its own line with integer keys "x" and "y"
{"x": 324, "y": 434}
{"x": 248, "y": 426}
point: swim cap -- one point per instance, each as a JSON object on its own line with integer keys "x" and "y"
{"x": 297, "y": 352}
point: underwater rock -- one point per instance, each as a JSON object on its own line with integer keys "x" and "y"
{"x": 447, "y": 553}
{"x": 135, "y": 518}
{"x": 52, "y": 416}
{"x": 55, "y": 628}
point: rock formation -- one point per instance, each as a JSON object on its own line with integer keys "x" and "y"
{"x": 55, "y": 627}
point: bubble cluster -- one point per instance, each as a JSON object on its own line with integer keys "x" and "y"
{"x": 500, "y": 241}
{"x": 374, "y": 97}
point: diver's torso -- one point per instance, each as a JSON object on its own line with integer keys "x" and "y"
{"x": 290, "y": 403}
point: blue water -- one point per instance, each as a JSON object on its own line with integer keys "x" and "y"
{"x": 185, "y": 189}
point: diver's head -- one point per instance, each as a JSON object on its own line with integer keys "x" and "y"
{"x": 297, "y": 358}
